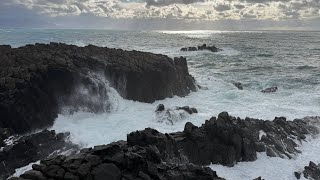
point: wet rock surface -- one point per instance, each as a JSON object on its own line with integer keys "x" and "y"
{"x": 201, "y": 48}
{"x": 36, "y": 80}
{"x": 149, "y": 154}
{"x": 115, "y": 161}
{"x": 21, "y": 151}
{"x": 172, "y": 115}
{"x": 270, "y": 89}
{"x": 312, "y": 171}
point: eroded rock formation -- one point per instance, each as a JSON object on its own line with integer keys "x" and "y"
{"x": 36, "y": 80}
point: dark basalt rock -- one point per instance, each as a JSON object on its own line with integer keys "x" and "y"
{"x": 270, "y": 90}
{"x": 227, "y": 140}
{"x": 37, "y": 80}
{"x": 137, "y": 162}
{"x": 312, "y": 171}
{"x": 149, "y": 154}
{"x": 188, "y": 109}
{"x": 238, "y": 85}
{"x": 201, "y": 48}
{"x": 170, "y": 116}
{"x": 27, "y": 149}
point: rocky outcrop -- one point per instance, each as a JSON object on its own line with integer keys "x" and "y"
{"x": 201, "y": 48}
{"x": 226, "y": 140}
{"x": 149, "y": 154}
{"x": 170, "y": 116}
{"x": 21, "y": 151}
{"x": 37, "y": 80}
{"x": 119, "y": 160}
{"x": 270, "y": 89}
{"x": 312, "y": 171}
{"x": 238, "y": 85}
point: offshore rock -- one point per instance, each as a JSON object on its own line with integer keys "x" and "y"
{"x": 270, "y": 89}
{"x": 36, "y": 81}
{"x": 170, "y": 116}
{"x": 201, "y": 48}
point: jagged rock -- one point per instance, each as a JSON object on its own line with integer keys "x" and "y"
{"x": 160, "y": 108}
{"x": 312, "y": 171}
{"x": 188, "y": 109}
{"x": 270, "y": 89}
{"x": 37, "y": 80}
{"x": 258, "y": 178}
{"x": 31, "y": 148}
{"x": 170, "y": 116}
{"x": 142, "y": 161}
{"x": 33, "y": 174}
{"x": 238, "y": 85}
{"x": 297, "y": 175}
{"x": 201, "y": 48}
{"x": 181, "y": 155}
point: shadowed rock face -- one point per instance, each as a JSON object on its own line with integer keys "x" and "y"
{"x": 21, "y": 151}
{"x": 35, "y": 80}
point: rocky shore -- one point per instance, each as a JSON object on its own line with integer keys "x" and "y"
{"x": 37, "y": 80}
{"x": 149, "y": 154}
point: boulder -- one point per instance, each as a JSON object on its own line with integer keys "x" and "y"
{"x": 238, "y": 85}
{"x": 270, "y": 89}
{"x": 312, "y": 171}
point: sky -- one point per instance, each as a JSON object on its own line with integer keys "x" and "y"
{"x": 162, "y": 14}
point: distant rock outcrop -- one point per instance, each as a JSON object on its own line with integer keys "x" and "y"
{"x": 36, "y": 80}
{"x": 201, "y": 48}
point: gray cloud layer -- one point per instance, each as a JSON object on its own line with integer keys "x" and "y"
{"x": 179, "y": 9}
{"x": 288, "y": 11}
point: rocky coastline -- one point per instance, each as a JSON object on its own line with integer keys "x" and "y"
{"x": 149, "y": 154}
{"x": 37, "y": 80}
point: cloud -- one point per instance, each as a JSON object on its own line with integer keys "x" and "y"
{"x": 277, "y": 10}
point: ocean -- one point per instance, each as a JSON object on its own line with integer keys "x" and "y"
{"x": 257, "y": 59}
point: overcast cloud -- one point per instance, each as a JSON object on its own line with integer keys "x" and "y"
{"x": 271, "y": 11}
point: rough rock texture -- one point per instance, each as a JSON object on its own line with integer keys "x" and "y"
{"x": 226, "y": 140}
{"x": 270, "y": 89}
{"x": 36, "y": 79}
{"x": 117, "y": 161}
{"x": 312, "y": 171}
{"x": 21, "y": 151}
{"x": 201, "y": 48}
{"x": 238, "y": 85}
{"x": 172, "y": 115}
{"x": 149, "y": 154}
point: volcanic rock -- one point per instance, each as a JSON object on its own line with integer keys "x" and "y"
{"x": 39, "y": 81}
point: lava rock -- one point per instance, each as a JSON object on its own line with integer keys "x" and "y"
{"x": 270, "y": 89}
{"x": 36, "y": 81}
{"x": 188, "y": 109}
{"x": 238, "y": 85}
{"x": 201, "y": 48}
{"x": 31, "y": 148}
{"x": 312, "y": 171}
{"x": 160, "y": 108}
